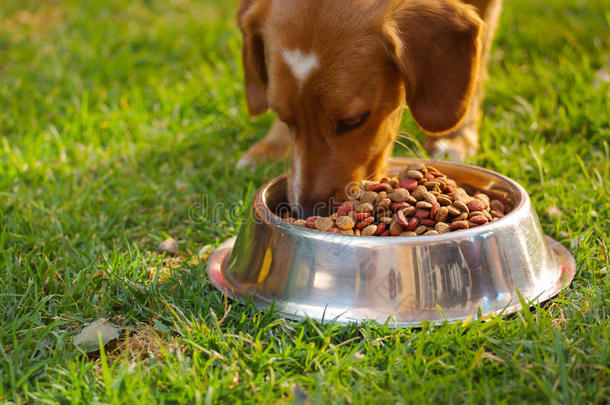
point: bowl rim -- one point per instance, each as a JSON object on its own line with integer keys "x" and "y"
{"x": 522, "y": 207}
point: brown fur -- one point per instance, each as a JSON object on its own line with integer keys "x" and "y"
{"x": 373, "y": 56}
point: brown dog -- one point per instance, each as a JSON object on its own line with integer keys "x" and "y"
{"x": 337, "y": 74}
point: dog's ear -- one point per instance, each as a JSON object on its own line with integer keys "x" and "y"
{"x": 250, "y": 17}
{"x": 435, "y": 45}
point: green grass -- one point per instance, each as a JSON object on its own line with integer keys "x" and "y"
{"x": 120, "y": 121}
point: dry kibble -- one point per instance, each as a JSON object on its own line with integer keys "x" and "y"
{"x": 386, "y": 220}
{"x": 380, "y": 229}
{"x": 476, "y": 205}
{"x": 417, "y": 166}
{"x": 432, "y": 185}
{"x": 460, "y": 205}
{"x": 345, "y": 222}
{"x": 368, "y": 197}
{"x": 378, "y": 187}
{"x": 384, "y": 205}
{"x": 323, "y": 223}
{"x": 399, "y": 195}
{"x": 421, "y": 201}
{"x": 413, "y": 222}
{"x": 345, "y": 208}
{"x": 463, "y": 216}
{"x": 381, "y": 196}
{"x": 442, "y": 227}
{"x": 423, "y": 204}
{"x": 359, "y": 216}
{"x": 402, "y": 218}
{"x": 461, "y": 195}
{"x": 402, "y": 176}
{"x": 422, "y": 213}
{"x": 458, "y": 225}
{"x": 415, "y": 174}
{"x": 434, "y": 209}
{"x": 444, "y": 200}
{"x": 479, "y": 219}
{"x": 496, "y": 205}
{"x": 409, "y": 184}
{"x": 412, "y": 200}
{"x": 419, "y": 193}
{"x": 365, "y": 222}
{"x": 311, "y": 222}
{"x": 431, "y": 198}
{"x": 484, "y": 198}
{"x": 395, "y": 228}
{"x": 369, "y": 230}
{"x": 384, "y": 214}
{"x": 475, "y": 213}
{"x": 442, "y": 214}
{"x": 497, "y": 214}
{"x": 409, "y": 211}
{"x": 408, "y": 233}
{"x": 420, "y": 230}
{"x": 428, "y": 222}
{"x": 365, "y": 207}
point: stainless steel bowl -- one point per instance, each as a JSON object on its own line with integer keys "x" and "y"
{"x": 473, "y": 273}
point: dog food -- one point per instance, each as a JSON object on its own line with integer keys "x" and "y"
{"x": 420, "y": 201}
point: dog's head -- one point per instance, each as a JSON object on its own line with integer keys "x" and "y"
{"x": 337, "y": 72}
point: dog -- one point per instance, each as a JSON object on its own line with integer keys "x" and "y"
{"x": 337, "y": 73}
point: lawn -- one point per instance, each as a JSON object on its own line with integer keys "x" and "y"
{"x": 121, "y": 123}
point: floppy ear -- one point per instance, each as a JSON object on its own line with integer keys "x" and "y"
{"x": 435, "y": 45}
{"x": 250, "y": 16}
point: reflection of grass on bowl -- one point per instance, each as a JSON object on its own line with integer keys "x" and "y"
{"x": 120, "y": 121}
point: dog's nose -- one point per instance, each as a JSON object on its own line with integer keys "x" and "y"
{"x": 310, "y": 195}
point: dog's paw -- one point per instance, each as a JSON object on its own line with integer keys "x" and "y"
{"x": 260, "y": 153}
{"x": 246, "y": 161}
{"x": 456, "y": 145}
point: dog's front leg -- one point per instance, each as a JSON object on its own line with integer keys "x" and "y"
{"x": 274, "y": 146}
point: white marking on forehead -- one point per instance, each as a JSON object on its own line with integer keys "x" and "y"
{"x": 301, "y": 64}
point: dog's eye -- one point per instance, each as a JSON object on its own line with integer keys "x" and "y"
{"x": 351, "y": 123}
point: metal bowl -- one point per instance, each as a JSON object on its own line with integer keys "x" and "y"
{"x": 467, "y": 274}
